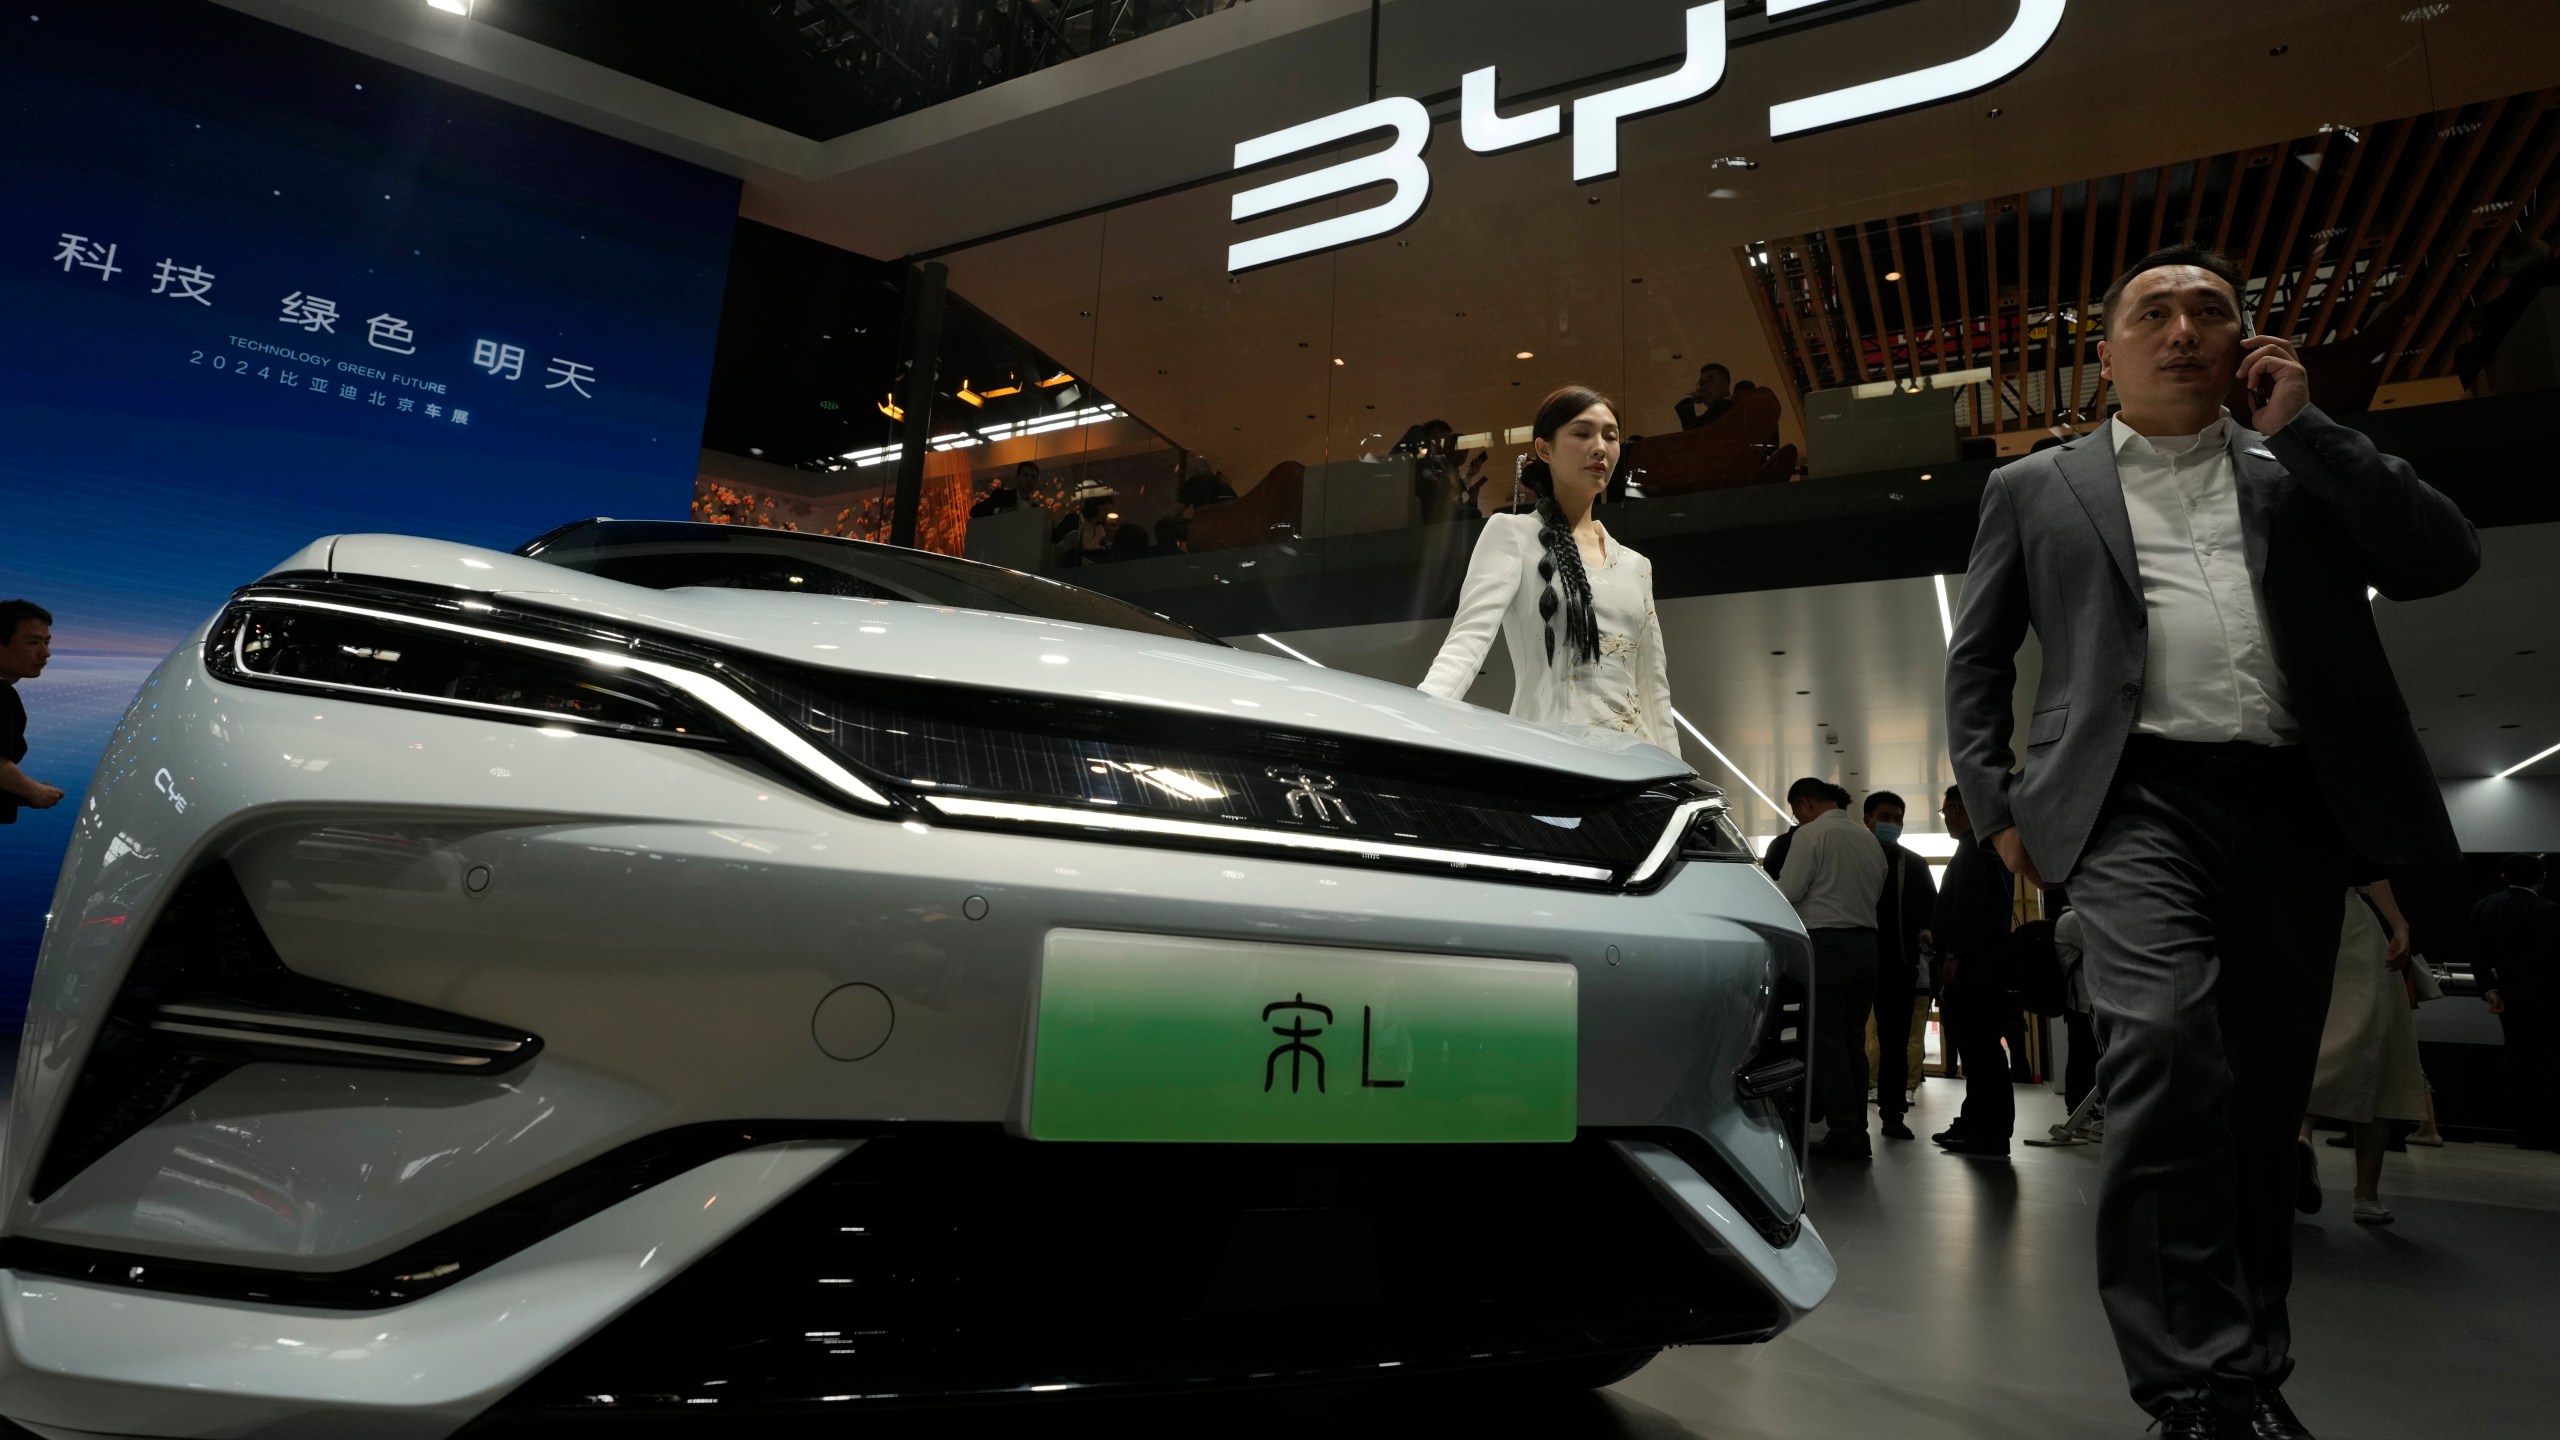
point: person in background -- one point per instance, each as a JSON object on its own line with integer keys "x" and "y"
{"x": 1834, "y": 875}
{"x": 999, "y": 499}
{"x": 2368, "y": 1074}
{"x": 2080, "y": 1072}
{"x": 1084, "y": 535}
{"x": 2515, "y": 938}
{"x": 1775, "y": 859}
{"x": 1971, "y": 928}
{"x": 1202, "y": 488}
{"x": 1902, "y": 917}
{"x": 1706, "y": 404}
{"x": 26, "y": 643}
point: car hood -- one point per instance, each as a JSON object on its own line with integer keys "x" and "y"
{"x": 1018, "y": 653}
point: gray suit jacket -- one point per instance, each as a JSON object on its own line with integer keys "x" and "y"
{"x": 2324, "y": 516}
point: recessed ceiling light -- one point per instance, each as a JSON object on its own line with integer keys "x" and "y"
{"x": 1526, "y": 355}
{"x": 755, "y": 449}
{"x": 1893, "y": 275}
{"x": 1338, "y": 360}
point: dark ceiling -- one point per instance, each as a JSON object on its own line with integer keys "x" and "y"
{"x": 822, "y": 68}
{"x": 812, "y": 340}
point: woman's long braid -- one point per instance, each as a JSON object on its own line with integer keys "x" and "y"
{"x": 1563, "y": 560}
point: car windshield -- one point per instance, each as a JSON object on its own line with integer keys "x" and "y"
{"x": 670, "y": 555}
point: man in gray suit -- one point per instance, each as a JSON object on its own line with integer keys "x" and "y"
{"x": 2217, "y": 747}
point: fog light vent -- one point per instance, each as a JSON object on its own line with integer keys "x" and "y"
{"x": 207, "y": 994}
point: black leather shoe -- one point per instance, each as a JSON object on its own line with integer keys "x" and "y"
{"x": 1843, "y": 1146}
{"x": 2272, "y": 1419}
{"x": 1894, "y": 1129}
{"x": 1948, "y": 1136}
{"x": 2197, "y": 1420}
{"x": 1985, "y": 1149}
{"x": 2306, "y": 1182}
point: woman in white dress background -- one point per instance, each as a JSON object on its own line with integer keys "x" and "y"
{"x": 1574, "y": 606}
{"x": 2368, "y": 1075}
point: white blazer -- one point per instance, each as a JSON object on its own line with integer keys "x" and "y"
{"x": 1501, "y": 592}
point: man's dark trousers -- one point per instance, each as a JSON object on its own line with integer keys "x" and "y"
{"x": 2210, "y": 901}
{"x": 1894, "y": 1000}
{"x": 1844, "y": 994}
{"x": 1976, "y": 1016}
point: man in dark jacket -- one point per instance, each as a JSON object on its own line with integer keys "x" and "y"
{"x": 1970, "y": 927}
{"x": 26, "y": 643}
{"x": 2515, "y": 949}
{"x": 1902, "y": 917}
{"x": 2216, "y": 749}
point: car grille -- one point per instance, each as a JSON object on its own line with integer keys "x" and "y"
{"x": 951, "y": 747}
{"x": 958, "y": 1266}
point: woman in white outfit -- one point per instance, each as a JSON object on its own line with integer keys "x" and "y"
{"x": 2368, "y": 1072}
{"x": 1574, "y": 605}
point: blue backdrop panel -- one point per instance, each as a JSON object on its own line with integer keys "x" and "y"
{"x": 255, "y": 289}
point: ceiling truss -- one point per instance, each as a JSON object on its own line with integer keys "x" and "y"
{"x": 2399, "y": 222}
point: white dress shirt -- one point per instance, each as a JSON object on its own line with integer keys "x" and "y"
{"x": 1834, "y": 873}
{"x": 2210, "y": 672}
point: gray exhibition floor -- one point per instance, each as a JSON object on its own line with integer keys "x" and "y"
{"x": 1967, "y": 1308}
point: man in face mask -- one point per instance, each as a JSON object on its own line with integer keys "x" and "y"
{"x": 1902, "y": 916}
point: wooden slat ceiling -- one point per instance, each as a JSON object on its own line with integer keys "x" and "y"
{"x": 2396, "y": 223}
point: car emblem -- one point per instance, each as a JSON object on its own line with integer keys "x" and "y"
{"x": 1311, "y": 796}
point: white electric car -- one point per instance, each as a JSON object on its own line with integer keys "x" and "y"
{"x": 688, "y": 971}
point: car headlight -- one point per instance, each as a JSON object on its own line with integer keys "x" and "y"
{"x": 443, "y": 655}
{"x": 302, "y": 644}
{"x": 1714, "y": 836}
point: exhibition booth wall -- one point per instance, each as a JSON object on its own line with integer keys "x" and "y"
{"x": 262, "y": 289}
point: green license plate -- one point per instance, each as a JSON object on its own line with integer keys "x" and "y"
{"x": 1145, "y": 1037}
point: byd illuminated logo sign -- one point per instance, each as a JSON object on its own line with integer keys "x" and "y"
{"x": 1595, "y": 127}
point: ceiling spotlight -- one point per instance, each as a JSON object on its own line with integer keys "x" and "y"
{"x": 1892, "y": 275}
{"x": 755, "y": 449}
{"x": 1338, "y": 360}
{"x": 451, "y": 7}
{"x": 1733, "y": 162}
{"x": 1526, "y": 355}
